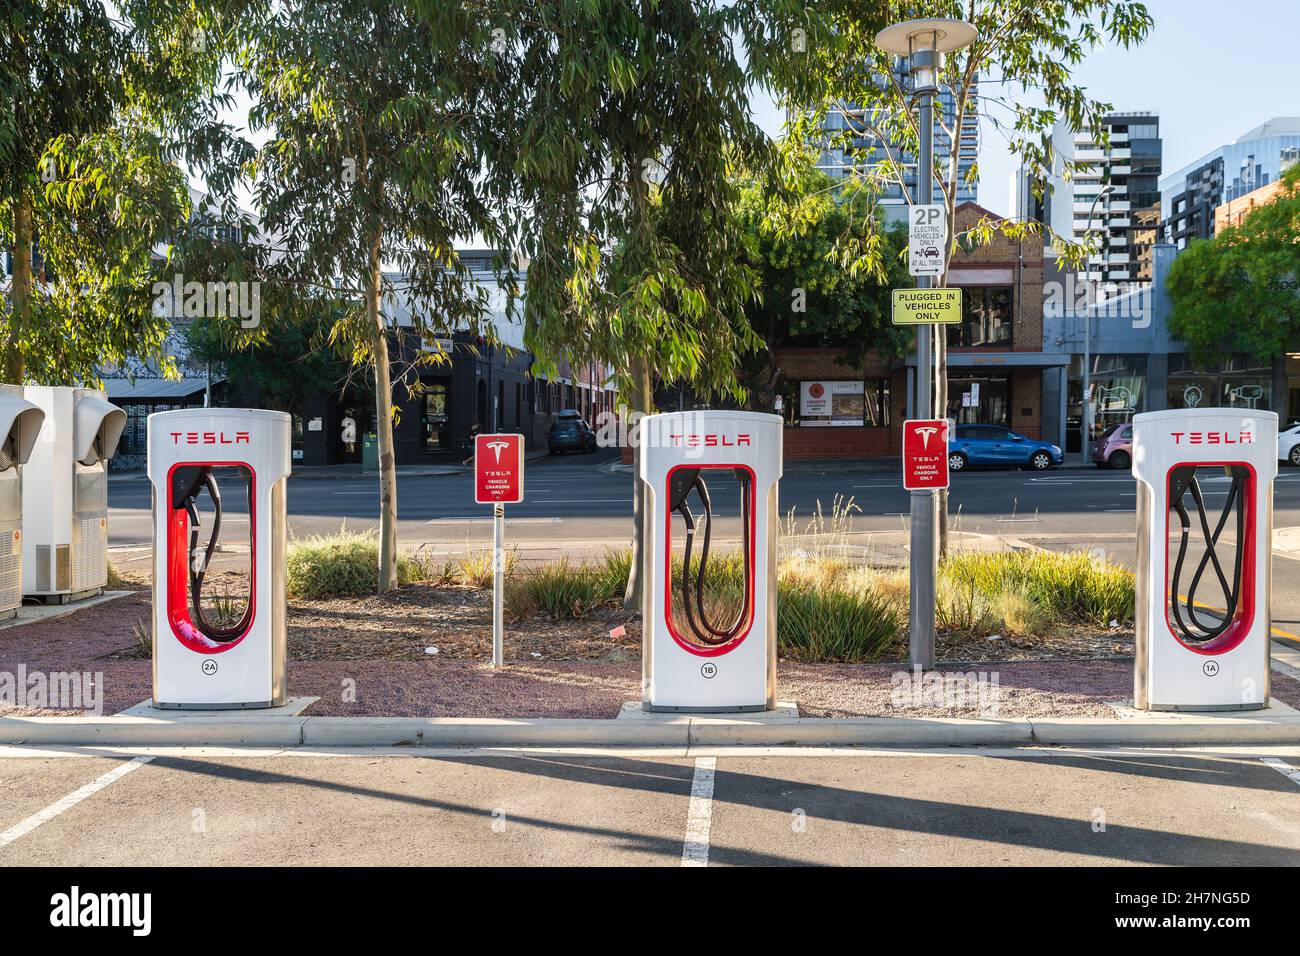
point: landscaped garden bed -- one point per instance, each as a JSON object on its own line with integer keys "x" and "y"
{"x": 1054, "y": 631}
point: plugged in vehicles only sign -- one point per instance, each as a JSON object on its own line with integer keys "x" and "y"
{"x": 926, "y": 306}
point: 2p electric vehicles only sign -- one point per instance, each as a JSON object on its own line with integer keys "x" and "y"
{"x": 927, "y": 234}
{"x": 498, "y": 469}
{"x": 925, "y": 454}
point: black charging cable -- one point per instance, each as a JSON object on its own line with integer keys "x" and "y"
{"x": 188, "y": 482}
{"x": 683, "y": 482}
{"x": 1183, "y": 483}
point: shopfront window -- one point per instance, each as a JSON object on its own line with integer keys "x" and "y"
{"x": 987, "y": 317}
{"x": 1117, "y": 386}
{"x": 1293, "y": 388}
{"x": 979, "y": 399}
{"x": 825, "y": 403}
{"x": 1237, "y": 382}
{"x": 434, "y": 418}
{"x": 133, "y": 445}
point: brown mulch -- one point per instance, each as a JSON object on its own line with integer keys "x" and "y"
{"x": 1064, "y": 644}
{"x": 455, "y": 620}
{"x": 374, "y": 648}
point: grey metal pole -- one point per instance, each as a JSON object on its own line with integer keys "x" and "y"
{"x": 1086, "y": 424}
{"x": 924, "y": 504}
{"x": 498, "y": 581}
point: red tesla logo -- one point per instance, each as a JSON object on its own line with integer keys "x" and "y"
{"x": 209, "y": 438}
{"x": 708, "y": 441}
{"x": 1213, "y": 438}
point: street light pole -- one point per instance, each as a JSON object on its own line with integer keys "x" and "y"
{"x": 924, "y": 43}
{"x": 1086, "y": 439}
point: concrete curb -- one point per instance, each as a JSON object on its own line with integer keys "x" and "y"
{"x": 1168, "y": 731}
{"x": 235, "y": 730}
{"x": 489, "y": 732}
{"x": 251, "y": 730}
{"x": 860, "y": 732}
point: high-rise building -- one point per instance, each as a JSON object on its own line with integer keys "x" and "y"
{"x": 851, "y": 149}
{"x": 1113, "y": 194}
{"x": 1255, "y": 159}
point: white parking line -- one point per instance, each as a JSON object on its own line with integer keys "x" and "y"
{"x": 71, "y": 800}
{"x": 699, "y": 816}
{"x": 1282, "y": 767}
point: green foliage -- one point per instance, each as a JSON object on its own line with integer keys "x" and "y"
{"x": 98, "y": 108}
{"x": 379, "y": 133}
{"x": 279, "y": 370}
{"x": 836, "y": 624}
{"x": 339, "y": 565}
{"x": 825, "y": 268}
{"x": 629, "y": 121}
{"x": 1039, "y": 587}
{"x": 1238, "y": 291}
{"x": 567, "y": 590}
{"x": 1038, "y": 44}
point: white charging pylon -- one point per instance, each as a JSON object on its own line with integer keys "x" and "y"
{"x": 65, "y": 493}
{"x": 213, "y": 468}
{"x": 691, "y": 660}
{"x": 1205, "y": 545}
{"x": 20, "y": 424}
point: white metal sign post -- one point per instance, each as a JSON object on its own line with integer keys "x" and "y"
{"x": 498, "y": 481}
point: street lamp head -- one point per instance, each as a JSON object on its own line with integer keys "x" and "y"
{"x": 924, "y": 42}
{"x": 936, "y": 33}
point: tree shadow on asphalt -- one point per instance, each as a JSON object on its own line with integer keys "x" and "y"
{"x": 833, "y": 804}
{"x": 645, "y": 776}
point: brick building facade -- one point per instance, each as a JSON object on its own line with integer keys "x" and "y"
{"x": 998, "y": 371}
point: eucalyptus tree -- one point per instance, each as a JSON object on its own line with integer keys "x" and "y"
{"x": 631, "y": 121}
{"x": 1017, "y": 77}
{"x": 99, "y": 106}
{"x": 1240, "y": 291}
{"x": 825, "y": 270}
{"x": 376, "y": 164}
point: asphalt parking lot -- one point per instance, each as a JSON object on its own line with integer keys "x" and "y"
{"x": 942, "y": 808}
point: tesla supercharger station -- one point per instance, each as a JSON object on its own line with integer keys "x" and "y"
{"x": 690, "y": 660}
{"x": 201, "y": 461}
{"x": 20, "y": 423}
{"x": 1205, "y": 545}
{"x": 65, "y": 493}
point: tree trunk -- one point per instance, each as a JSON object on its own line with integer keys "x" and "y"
{"x": 383, "y": 425}
{"x": 641, "y": 402}
{"x": 14, "y": 359}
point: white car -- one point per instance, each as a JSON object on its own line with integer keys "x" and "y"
{"x": 1288, "y": 444}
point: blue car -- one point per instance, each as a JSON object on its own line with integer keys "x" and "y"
{"x": 996, "y": 445}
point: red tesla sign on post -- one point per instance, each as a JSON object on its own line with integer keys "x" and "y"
{"x": 925, "y": 454}
{"x": 499, "y": 469}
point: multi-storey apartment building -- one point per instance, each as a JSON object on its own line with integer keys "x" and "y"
{"x": 1114, "y": 197}
{"x": 1253, "y": 160}
{"x": 851, "y": 148}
